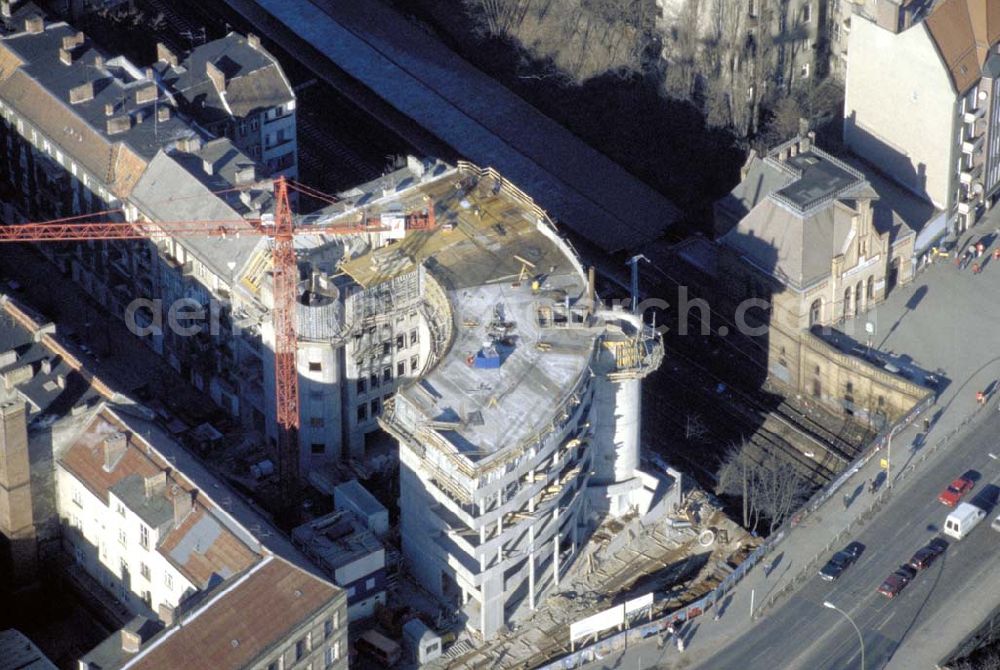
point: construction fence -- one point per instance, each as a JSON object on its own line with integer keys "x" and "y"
{"x": 621, "y": 640}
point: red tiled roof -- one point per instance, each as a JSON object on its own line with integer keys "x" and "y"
{"x": 258, "y": 612}
{"x": 964, "y": 31}
{"x": 225, "y": 556}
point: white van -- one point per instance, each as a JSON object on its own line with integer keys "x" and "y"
{"x": 961, "y": 522}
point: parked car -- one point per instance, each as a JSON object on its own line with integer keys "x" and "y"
{"x": 924, "y": 556}
{"x": 954, "y": 492}
{"x": 840, "y": 561}
{"x": 897, "y": 581}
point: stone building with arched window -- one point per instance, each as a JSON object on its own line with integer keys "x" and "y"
{"x": 813, "y": 236}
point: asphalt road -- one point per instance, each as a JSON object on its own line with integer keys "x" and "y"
{"x": 801, "y": 633}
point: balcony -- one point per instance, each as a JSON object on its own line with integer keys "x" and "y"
{"x": 974, "y": 115}
{"x": 969, "y": 175}
{"x": 973, "y": 145}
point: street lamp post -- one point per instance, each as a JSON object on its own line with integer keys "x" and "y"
{"x": 861, "y": 640}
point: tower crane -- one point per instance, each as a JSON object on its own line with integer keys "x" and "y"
{"x": 281, "y": 232}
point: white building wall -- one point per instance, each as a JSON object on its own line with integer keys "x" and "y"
{"x": 102, "y": 552}
{"x": 900, "y": 108}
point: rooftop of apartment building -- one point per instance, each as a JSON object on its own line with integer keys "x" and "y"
{"x": 233, "y": 76}
{"x": 782, "y": 211}
{"x": 17, "y": 652}
{"x": 965, "y": 32}
{"x": 44, "y": 374}
{"x": 227, "y": 629}
{"x": 335, "y": 540}
{"x": 102, "y": 110}
{"x": 515, "y": 352}
{"x": 198, "y": 539}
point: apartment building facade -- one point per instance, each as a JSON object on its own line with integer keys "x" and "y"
{"x": 932, "y": 120}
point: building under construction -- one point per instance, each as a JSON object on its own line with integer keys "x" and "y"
{"x": 521, "y": 431}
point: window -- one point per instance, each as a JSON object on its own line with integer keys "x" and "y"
{"x": 362, "y": 412}
{"x": 122, "y": 568}
{"x": 414, "y": 363}
{"x": 254, "y": 123}
{"x": 333, "y": 653}
{"x": 121, "y": 536}
{"x": 300, "y": 649}
{"x": 400, "y": 341}
{"x": 317, "y": 448}
{"x": 386, "y": 348}
{"x": 817, "y": 389}
{"x": 806, "y": 13}
{"x": 815, "y": 312}
{"x": 144, "y": 571}
{"x": 315, "y": 367}
{"x": 317, "y": 422}
{"x": 400, "y": 368}
{"x": 881, "y": 401}
{"x": 273, "y": 665}
{"x": 374, "y": 380}
{"x": 168, "y": 580}
{"x": 804, "y": 71}
{"x": 336, "y": 619}
{"x": 387, "y": 375}
{"x": 362, "y": 386}
{"x": 351, "y": 591}
{"x": 370, "y": 584}
{"x": 850, "y": 388}
{"x": 327, "y": 629}
{"x": 78, "y": 498}
{"x": 414, "y": 337}
{"x": 144, "y": 536}
{"x": 147, "y": 598}
{"x": 120, "y": 508}
{"x": 375, "y": 407}
{"x": 871, "y": 289}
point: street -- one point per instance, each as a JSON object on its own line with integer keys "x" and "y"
{"x": 932, "y": 615}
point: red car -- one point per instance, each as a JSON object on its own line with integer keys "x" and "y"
{"x": 897, "y": 581}
{"x": 958, "y": 488}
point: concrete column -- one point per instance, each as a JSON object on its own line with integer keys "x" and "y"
{"x": 531, "y": 566}
{"x": 499, "y": 533}
{"x": 555, "y": 544}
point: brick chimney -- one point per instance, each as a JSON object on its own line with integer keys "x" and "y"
{"x": 46, "y": 366}
{"x": 34, "y": 24}
{"x": 17, "y": 376}
{"x": 156, "y": 485}
{"x": 167, "y": 614}
{"x": 216, "y": 75}
{"x": 165, "y": 55}
{"x": 115, "y": 446}
{"x": 133, "y": 634}
{"x": 70, "y": 42}
{"x": 163, "y": 113}
{"x": 109, "y": 109}
{"x": 119, "y": 124}
{"x": 253, "y": 41}
{"x": 66, "y": 56}
{"x": 183, "y": 504}
{"x": 16, "y": 514}
{"x": 146, "y": 94}
{"x": 5, "y": 9}
{"x": 8, "y": 357}
{"x": 81, "y": 93}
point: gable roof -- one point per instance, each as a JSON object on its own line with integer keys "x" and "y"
{"x": 253, "y": 80}
{"x": 245, "y": 620}
{"x": 964, "y": 31}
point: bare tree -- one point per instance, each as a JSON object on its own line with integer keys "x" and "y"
{"x": 770, "y": 488}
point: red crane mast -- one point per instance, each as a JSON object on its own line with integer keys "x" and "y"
{"x": 285, "y": 272}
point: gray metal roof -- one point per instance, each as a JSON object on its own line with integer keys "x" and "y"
{"x": 359, "y": 495}
{"x": 153, "y": 510}
{"x": 254, "y": 80}
{"x": 17, "y": 652}
{"x": 171, "y": 190}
